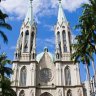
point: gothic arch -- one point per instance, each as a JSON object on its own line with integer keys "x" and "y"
{"x": 69, "y": 36}
{"x": 46, "y": 94}
{"x": 64, "y": 36}
{"x": 65, "y": 48}
{"x": 58, "y": 36}
{"x": 22, "y": 33}
{"x": 21, "y": 36}
{"x": 67, "y": 76}
{"x": 32, "y": 39}
{"x": 27, "y": 32}
{"x": 23, "y": 76}
{"x": 79, "y": 92}
{"x": 69, "y": 93}
{"x": 26, "y": 41}
{"x": 57, "y": 56}
{"x": 20, "y": 40}
{"x": 22, "y": 93}
{"x": 31, "y": 93}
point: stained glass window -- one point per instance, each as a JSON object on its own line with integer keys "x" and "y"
{"x": 26, "y": 41}
{"x": 23, "y": 76}
{"x": 69, "y": 93}
{"x": 64, "y": 36}
{"x": 58, "y": 37}
{"x": 67, "y": 76}
{"x": 22, "y": 93}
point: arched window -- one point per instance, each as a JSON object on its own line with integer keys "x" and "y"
{"x": 58, "y": 37}
{"x": 46, "y": 94}
{"x": 65, "y": 48}
{"x": 69, "y": 93}
{"x": 26, "y": 41}
{"x": 32, "y": 38}
{"x": 21, "y": 34}
{"x": 64, "y": 36}
{"x": 22, "y": 93}
{"x": 23, "y": 76}
{"x": 57, "y": 56}
{"x": 20, "y": 41}
{"x": 67, "y": 76}
{"x": 80, "y": 93}
{"x": 69, "y": 35}
{"x": 32, "y": 93}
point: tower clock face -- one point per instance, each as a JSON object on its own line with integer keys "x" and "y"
{"x": 45, "y": 75}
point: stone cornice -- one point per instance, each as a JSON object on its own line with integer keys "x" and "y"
{"x": 25, "y": 62}
{"x": 48, "y": 87}
{"x": 72, "y": 62}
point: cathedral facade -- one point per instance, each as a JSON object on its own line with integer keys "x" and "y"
{"x": 45, "y": 74}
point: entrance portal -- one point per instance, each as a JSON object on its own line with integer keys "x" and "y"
{"x": 45, "y": 94}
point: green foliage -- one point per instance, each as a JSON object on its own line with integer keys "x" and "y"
{"x": 6, "y": 88}
{"x": 5, "y": 72}
{"x": 4, "y": 25}
{"x": 86, "y": 40}
{"x": 4, "y": 69}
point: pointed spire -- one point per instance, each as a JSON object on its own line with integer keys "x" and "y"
{"x": 61, "y": 15}
{"x": 29, "y": 17}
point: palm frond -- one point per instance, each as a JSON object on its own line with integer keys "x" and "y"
{"x": 3, "y": 16}
{"x": 5, "y": 25}
{"x": 5, "y": 39}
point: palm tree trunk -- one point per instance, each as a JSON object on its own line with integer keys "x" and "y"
{"x": 88, "y": 77}
{"x": 93, "y": 66}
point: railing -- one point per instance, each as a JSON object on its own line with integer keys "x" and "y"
{"x": 66, "y": 57}
{"x": 25, "y": 56}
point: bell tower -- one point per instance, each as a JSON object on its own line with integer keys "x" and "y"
{"x": 24, "y": 64}
{"x": 67, "y": 73}
{"x": 26, "y": 45}
{"x": 62, "y": 35}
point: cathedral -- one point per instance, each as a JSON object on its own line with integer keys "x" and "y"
{"x": 45, "y": 74}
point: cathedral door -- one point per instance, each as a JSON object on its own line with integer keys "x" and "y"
{"x": 45, "y": 94}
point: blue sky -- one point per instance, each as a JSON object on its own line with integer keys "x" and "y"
{"x": 45, "y": 13}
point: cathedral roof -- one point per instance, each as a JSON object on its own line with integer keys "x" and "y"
{"x": 39, "y": 56}
{"x": 29, "y": 17}
{"x": 61, "y": 15}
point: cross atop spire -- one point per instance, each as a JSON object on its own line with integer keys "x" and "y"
{"x": 60, "y": 1}
{"x": 31, "y": 1}
{"x": 61, "y": 15}
{"x": 29, "y": 17}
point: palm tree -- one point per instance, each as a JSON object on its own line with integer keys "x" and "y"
{"x": 87, "y": 24}
{"x": 91, "y": 9}
{"x": 6, "y": 88}
{"x": 4, "y": 25}
{"x": 5, "y": 72}
{"x": 82, "y": 55}
{"x": 86, "y": 40}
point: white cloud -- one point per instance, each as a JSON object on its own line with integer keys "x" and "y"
{"x": 50, "y": 27}
{"x": 40, "y": 7}
{"x": 72, "y": 5}
{"x": 48, "y": 42}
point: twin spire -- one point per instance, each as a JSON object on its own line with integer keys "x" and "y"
{"x": 61, "y": 15}
{"x": 30, "y": 18}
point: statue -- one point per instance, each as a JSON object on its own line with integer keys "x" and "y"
{"x": 60, "y": 92}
